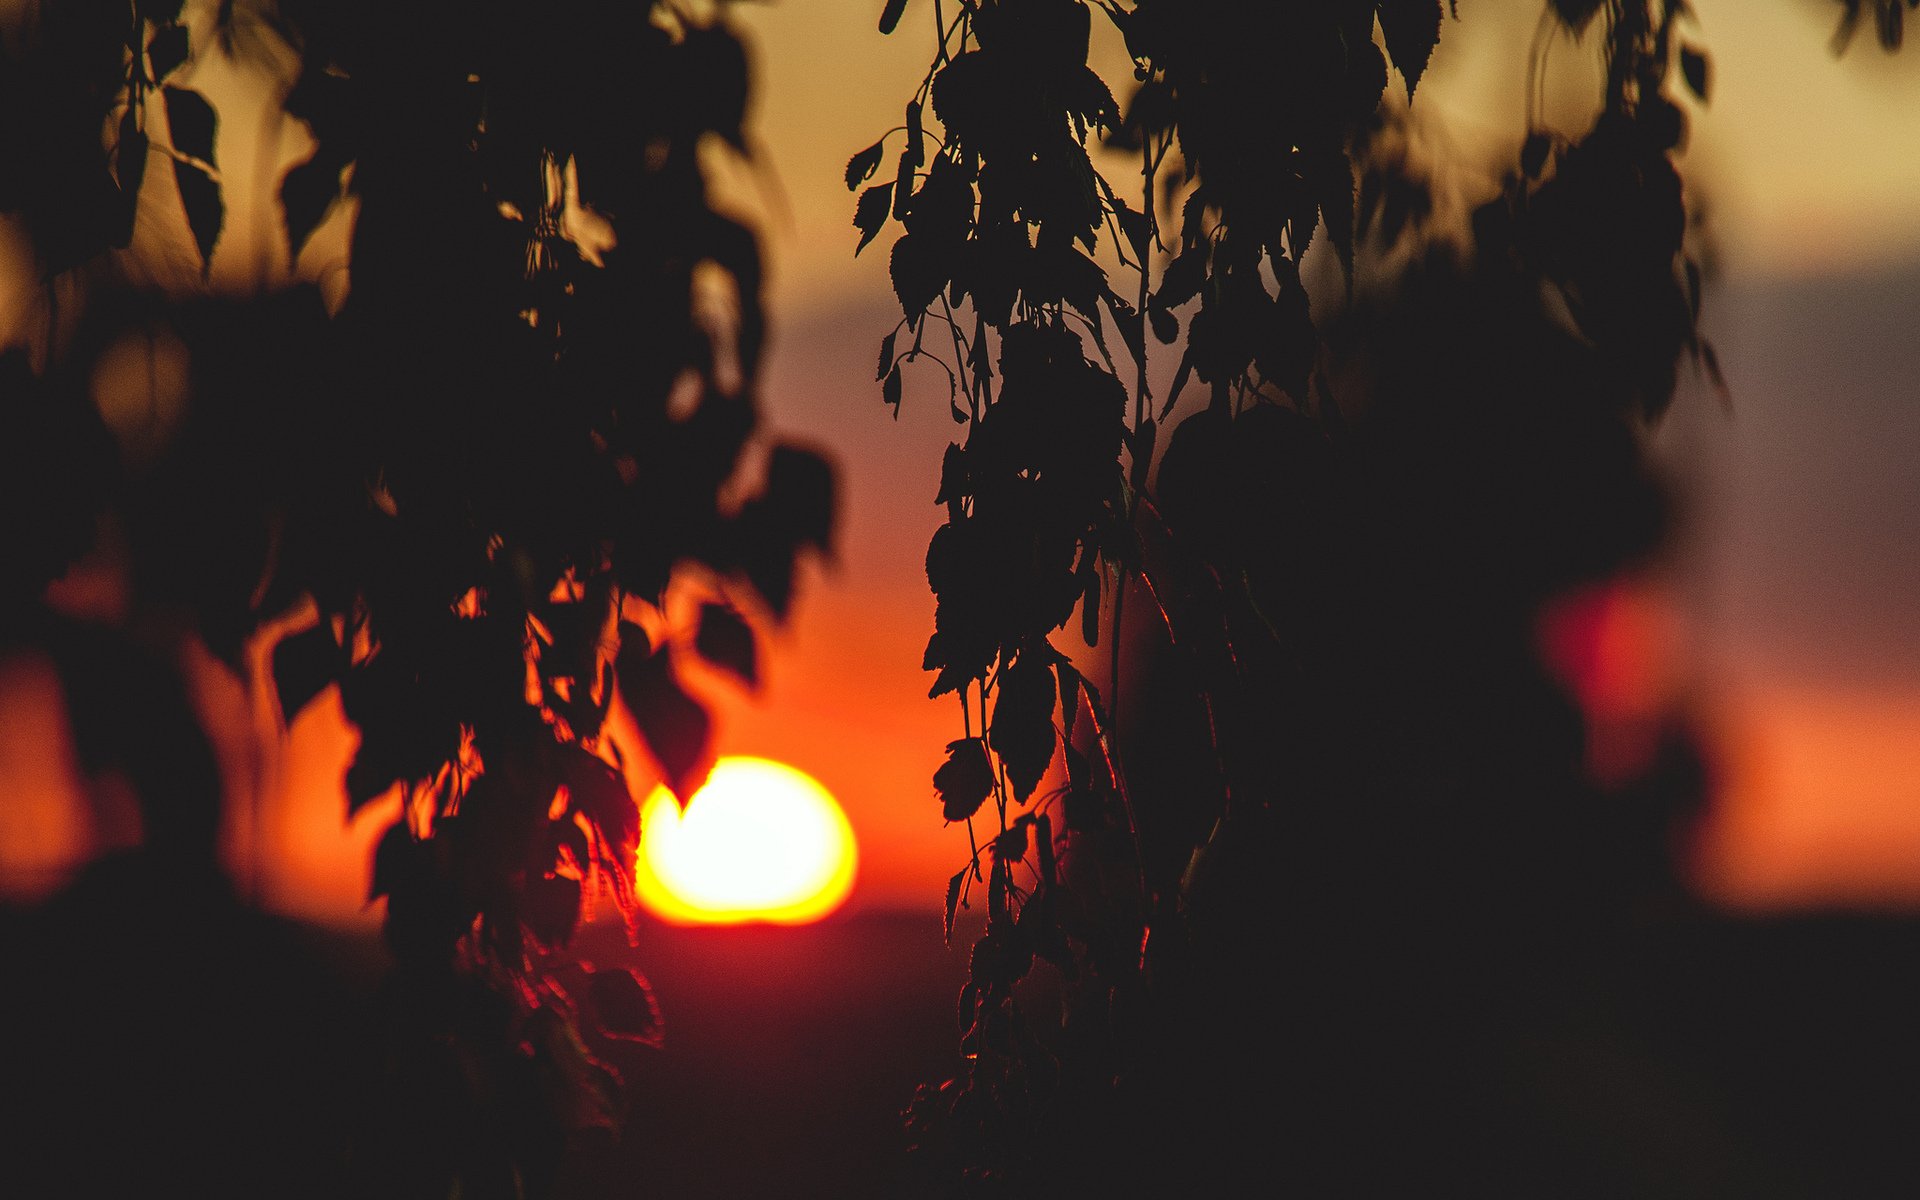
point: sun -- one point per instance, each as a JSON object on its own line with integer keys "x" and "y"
{"x": 760, "y": 841}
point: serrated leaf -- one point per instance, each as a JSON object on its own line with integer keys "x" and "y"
{"x": 870, "y": 214}
{"x": 191, "y": 124}
{"x": 1022, "y": 733}
{"x": 1412, "y": 29}
{"x": 200, "y": 196}
{"x": 861, "y": 166}
{"x": 965, "y": 780}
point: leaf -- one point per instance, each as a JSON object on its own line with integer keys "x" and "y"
{"x": 1333, "y": 180}
{"x": 1022, "y": 732}
{"x": 890, "y": 390}
{"x": 551, "y": 909}
{"x": 890, "y": 15}
{"x": 726, "y": 640}
{"x": 870, "y": 214}
{"x": 916, "y": 273}
{"x": 624, "y": 1006}
{"x": 130, "y": 164}
{"x": 903, "y": 184}
{"x": 1533, "y": 154}
{"x": 395, "y": 861}
{"x": 1576, "y": 15}
{"x": 167, "y": 50}
{"x": 886, "y": 357}
{"x": 861, "y": 166}
{"x": 965, "y": 780}
{"x": 305, "y": 665}
{"x": 200, "y": 196}
{"x": 1412, "y": 29}
{"x": 190, "y": 123}
{"x": 676, "y": 727}
{"x": 1697, "y": 70}
{"x": 1135, "y": 226}
{"x": 307, "y": 193}
{"x": 953, "y": 902}
{"x": 599, "y": 793}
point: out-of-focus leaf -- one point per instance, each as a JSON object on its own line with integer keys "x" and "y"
{"x": 167, "y": 50}
{"x": 725, "y": 639}
{"x": 624, "y": 1006}
{"x": 130, "y": 163}
{"x": 200, "y": 196}
{"x": 307, "y": 193}
{"x": 676, "y": 727}
{"x": 304, "y": 665}
{"x": 190, "y": 124}
{"x": 598, "y": 792}
{"x": 1697, "y": 70}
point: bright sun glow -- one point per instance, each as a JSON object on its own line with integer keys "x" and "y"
{"x": 760, "y": 842}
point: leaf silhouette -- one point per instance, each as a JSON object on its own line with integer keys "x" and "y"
{"x": 953, "y": 902}
{"x": 965, "y": 780}
{"x": 1412, "y": 29}
{"x": 200, "y": 196}
{"x": 167, "y": 50}
{"x": 306, "y": 194}
{"x": 870, "y": 214}
{"x": 726, "y": 640}
{"x": 191, "y": 124}
{"x": 676, "y": 727}
{"x": 1022, "y": 732}
{"x": 130, "y": 163}
{"x": 305, "y": 665}
{"x": 1576, "y": 15}
{"x": 890, "y": 15}
{"x": 862, "y": 165}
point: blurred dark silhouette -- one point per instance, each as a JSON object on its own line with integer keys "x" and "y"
{"x": 1326, "y": 879}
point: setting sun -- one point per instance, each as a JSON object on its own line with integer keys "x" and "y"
{"x": 760, "y": 841}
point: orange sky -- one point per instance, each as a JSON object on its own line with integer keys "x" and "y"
{"x": 1809, "y": 165}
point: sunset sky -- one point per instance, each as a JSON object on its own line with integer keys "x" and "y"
{"x": 1798, "y": 585}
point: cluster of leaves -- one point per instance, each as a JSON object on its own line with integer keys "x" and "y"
{"x": 84, "y": 67}
{"x": 1249, "y": 538}
{"x": 468, "y": 491}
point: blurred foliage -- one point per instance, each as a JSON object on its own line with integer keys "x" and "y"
{"x": 461, "y": 497}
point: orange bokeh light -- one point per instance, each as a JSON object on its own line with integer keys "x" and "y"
{"x": 760, "y": 841}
